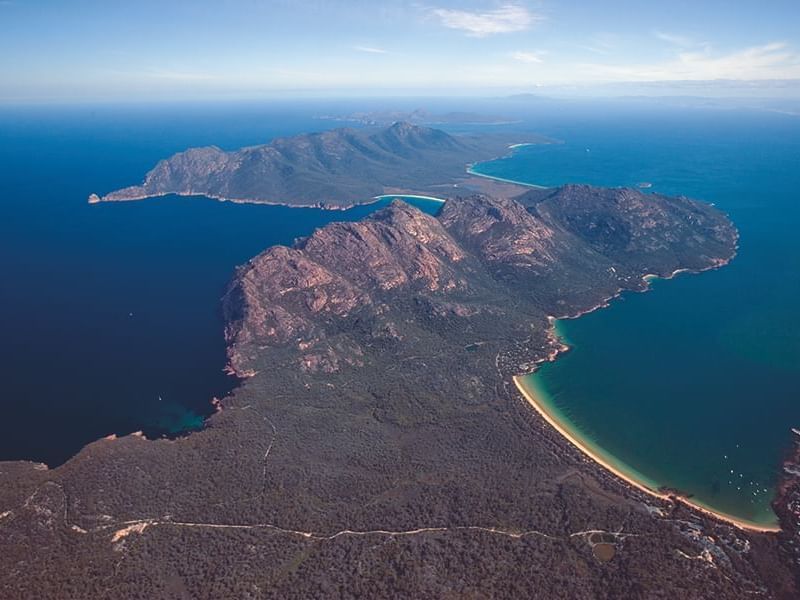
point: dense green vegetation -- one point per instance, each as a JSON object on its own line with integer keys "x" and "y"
{"x": 377, "y": 447}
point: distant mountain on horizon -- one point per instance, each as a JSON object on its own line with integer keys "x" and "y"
{"x": 420, "y": 116}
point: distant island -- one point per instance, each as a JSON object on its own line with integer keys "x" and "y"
{"x": 333, "y": 169}
{"x": 419, "y": 116}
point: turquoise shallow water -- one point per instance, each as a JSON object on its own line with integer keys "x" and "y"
{"x": 695, "y": 383}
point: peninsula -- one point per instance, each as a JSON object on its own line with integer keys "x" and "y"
{"x": 333, "y": 169}
{"x": 378, "y": 432}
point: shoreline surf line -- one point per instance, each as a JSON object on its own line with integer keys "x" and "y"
{"x": 472, "y": 171}
{"x": 414, "y": 196}
{"x": 582, "y": 445}
{"x": 95, "y": 199}
{"x": 562, "y": 345}
{"x": 513, "y": 147}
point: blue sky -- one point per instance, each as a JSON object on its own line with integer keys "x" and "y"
{"x": 201, "y": 48}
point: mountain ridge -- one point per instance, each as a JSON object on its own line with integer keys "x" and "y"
{"x": 337, "y": 168}
{"x": 550, "y": 245}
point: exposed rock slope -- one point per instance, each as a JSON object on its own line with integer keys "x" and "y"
{"x": 554, "y": 252}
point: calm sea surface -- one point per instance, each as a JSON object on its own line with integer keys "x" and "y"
{"x": 694, "y": 384}
{"x": 110, "y": 317}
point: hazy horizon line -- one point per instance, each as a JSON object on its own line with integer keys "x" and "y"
{"x": 717, "y": 89}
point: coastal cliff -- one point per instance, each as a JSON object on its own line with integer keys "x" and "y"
{"x": 377, "y": 445}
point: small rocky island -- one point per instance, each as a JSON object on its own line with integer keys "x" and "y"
{"x": 377, "y": 445}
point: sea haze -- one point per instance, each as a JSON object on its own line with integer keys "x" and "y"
{"x": 694, "y": 384}
{"x": 110, "y": 314}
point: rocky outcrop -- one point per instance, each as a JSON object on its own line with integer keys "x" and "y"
{"x": 540, "y": 247}
{"x": 501, "y": 230}
{"x": 627, "y": 224}
{"x": 280, "y": 296}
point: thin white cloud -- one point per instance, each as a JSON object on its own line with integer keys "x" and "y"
{"x": 508, "y": 18}
{"x": 370, "y": 50}
{"x": 178, "y": 75}
{"x": 601, "y": 43}
{"x": 528, "y": 57}
{"x": 674, "y": 39}
{"x": 681, "y": 41}
{"x": 775, "y": 60}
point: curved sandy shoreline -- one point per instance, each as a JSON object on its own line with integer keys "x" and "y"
{"x": 95, "y": 199}
{"x": 472, "y": 171}
{"x": 584, "y": 446}
{"x": 414, "y": 196}
{"x": 546, "y": 413}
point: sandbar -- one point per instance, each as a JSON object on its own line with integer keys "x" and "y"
{"x": 472, "y": 171}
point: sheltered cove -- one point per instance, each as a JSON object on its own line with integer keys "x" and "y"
{"x": 538, "y": 401}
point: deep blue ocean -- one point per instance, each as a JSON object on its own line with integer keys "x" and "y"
{"x": 110, "y": 315}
